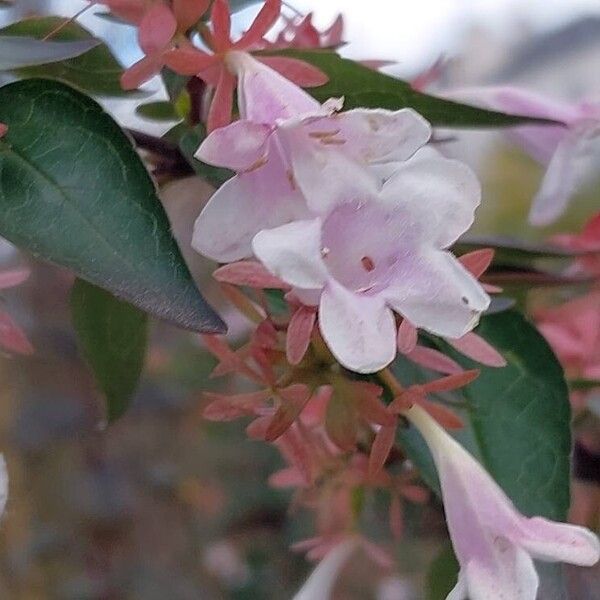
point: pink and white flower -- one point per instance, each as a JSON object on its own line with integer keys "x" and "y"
{"x": 379, "y": 249}
{"x": 494, "y": 543}
{"x": 282, "y": 136}
{"x": 570, "y": 153}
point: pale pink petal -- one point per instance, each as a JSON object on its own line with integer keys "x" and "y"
{"x": 298, "y": 71}
{"x": 359, "y": 329}
{"x": 299, "y": 333}
{"x": 438, "y": 193}
{"x": 436, "y": 293}
{"x": 221, "y": 104}
{"x": 141, "y": 72}
{"x": 188, "y": 12}
{"x": 243, "y": 206}
{"x": 292, "y": 252}
{"x": 478, "y": 349}
{"x": 13, "y": 277}
{"x": 3, "y": 484}
{"x": 241, "y": 146}
{"x": 434, "y": 360}
{"x": 567, "y": 171}
{"x": 550, "y": 541}
{"x": 266, "y": 18}
{"x": 264, "y": 95}
{"x": 157, "y": 28}
{"x": 321, "y": 170}
{"x": 407, "y": 337}
{"x": 379, "y": 136}
{"x": 12, "y": 337}
{"x": 321, "y": 581}
{"x": 509, "y": 574}
{"x": 248, "y": 273}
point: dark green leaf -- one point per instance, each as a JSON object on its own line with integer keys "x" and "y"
{"x": 188, "y": 144}
{"x": 158, "y": 111}
{"x": 74, "y": 191}
{"x": 96, "y": 71}
{"x": 113, "y": 336}
{"x": 584, "y": 384}
{"x": 442, "y": 575}
{"x": 19, "y": 52}
{"x": 364, "y": 87}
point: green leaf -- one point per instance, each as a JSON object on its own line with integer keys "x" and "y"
{"x": 158, "y": 111}
{"x": 113, "y": 337}
{"x": 74, "y": 191}
{"x": 19, "y": 52}
{"x": 584, "y": 384}
{"x": 188, "y": 144}
{"x": 95, "y": 71}
{"x": 364, "y": 87}
{"x": 442, "y": 575}
{"x": 518, "y": 416}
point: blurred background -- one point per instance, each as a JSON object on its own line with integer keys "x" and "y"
{"x": 165, "y": 505}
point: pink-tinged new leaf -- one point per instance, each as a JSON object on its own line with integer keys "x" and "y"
{"x": 189, "y": 61}
{"x": 219, "y": 114}
{"x": 299, "y": 333}
{"x": 12, "y": 337}
{"x": 3, "y": 129}
{"x": 591, "y": 231}
{"x": 13, "y": 277}
{"x": 434, "y": 360}
{"x": 266, "y": 18}
{"x": 157, "y": 28}
{"x": 478, "y": 261}
{"x": 407, "y": 337}
{"x": 380, "y": 450}
{"x": 248, "y": 273}
{"x": 188, "y": 12}
{"x": 298, "y": 71}
{"x": 221, "y": 22}
{"x": 294, "y": 448}
{"x": 478, "y": 349}
{"x": 415, "y": 493}
{"x": 258, "y": 428}
{"x": 334, "y": 36}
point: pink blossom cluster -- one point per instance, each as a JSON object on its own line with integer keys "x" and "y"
{"x": 350, "y": 216}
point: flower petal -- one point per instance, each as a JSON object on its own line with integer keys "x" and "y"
{"x": 435, "y": 292}
{"x": 242, "y": 207}
{"x": 264, "y": 95}
{"x": 378, "y": 135}
{"x": 567, "y": 171}
{"x": 359, "y": 329}
{"x": 550, "y": 541}
{"x": 439, "y": 196}
{"x": 292, "y": 252}
{"x": 239, "y": 146}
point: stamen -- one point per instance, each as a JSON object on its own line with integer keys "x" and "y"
{"x": 323, "y": 134}
{"x": 325, "y": 251}
{"x": 291, "y": 179}
{"x": 367, "y": 263}
{"x": 261, "y": 162}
